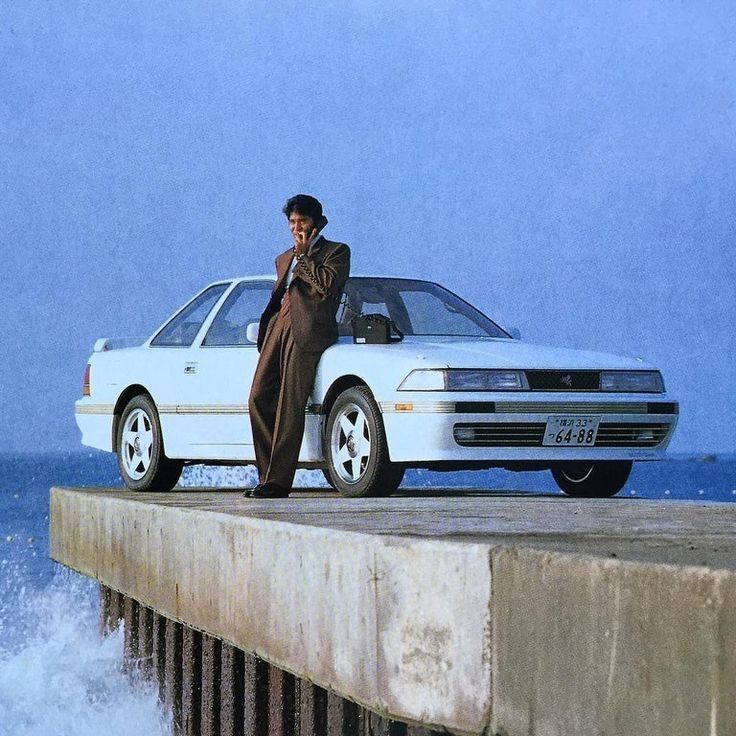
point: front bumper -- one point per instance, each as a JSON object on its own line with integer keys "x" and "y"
{"x": 489, "y": 427}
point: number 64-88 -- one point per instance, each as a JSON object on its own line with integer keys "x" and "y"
{"x": 582, "y": 436}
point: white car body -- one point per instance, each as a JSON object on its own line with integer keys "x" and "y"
{"x": 201, "y": 395}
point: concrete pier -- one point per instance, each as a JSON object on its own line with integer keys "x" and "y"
{"x": 471, "y": 613}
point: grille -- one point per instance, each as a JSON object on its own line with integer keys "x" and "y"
{"x": 564, "y": 380}
{"x": 508, "y": 434}
{"x": 630, "y": 435}
{"x": 531, "y": 434}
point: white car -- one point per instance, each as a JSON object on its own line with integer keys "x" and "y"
{"x": 457, "y": 392}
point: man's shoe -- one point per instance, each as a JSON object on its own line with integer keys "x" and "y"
{"x": 269, "y": 490}
{"x": 248, "y": 492}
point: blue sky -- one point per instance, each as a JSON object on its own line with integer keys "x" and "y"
{"x": 570, "y": 168}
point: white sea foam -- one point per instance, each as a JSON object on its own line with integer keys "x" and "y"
{"x": 59, "y": 678}
{"x": 213, "y": 476}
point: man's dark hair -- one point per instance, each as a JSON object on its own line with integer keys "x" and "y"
{"x": 303, "y": 204}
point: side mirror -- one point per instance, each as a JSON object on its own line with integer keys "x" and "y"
{"x": 515, "y": 332}
{"x": 251, "y": 332}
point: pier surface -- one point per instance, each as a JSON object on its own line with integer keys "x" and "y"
{"x": 507, "y": 614}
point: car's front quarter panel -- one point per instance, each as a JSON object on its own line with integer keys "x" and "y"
{"x": 381, "y": 367}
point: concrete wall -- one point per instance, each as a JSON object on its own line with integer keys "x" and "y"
{"x": 502, "y": 633}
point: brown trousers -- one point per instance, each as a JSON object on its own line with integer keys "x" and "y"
{"x": 282, "y": 383}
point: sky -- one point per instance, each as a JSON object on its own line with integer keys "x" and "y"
{"x": 569, "y": 168}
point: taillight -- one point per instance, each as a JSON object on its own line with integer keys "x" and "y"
{"x": 85, "y": 383}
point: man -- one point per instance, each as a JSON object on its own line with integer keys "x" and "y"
{"x": 296, "y": 327}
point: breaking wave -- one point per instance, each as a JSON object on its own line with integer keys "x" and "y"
{"x": 58, "y": 677}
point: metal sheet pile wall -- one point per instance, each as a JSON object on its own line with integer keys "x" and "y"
{"x": 211, "y": 688}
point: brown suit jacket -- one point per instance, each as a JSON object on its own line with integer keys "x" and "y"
{"x": 314, "y": 294}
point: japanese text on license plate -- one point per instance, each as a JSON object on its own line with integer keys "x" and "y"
{"x": 574, "y": 431}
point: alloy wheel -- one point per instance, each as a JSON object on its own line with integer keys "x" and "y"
{"x": 350, "y": 444}
{"x": 137, "y": 443}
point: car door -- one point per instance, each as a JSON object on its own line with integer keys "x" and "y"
{"x": 214, "y": 402}
{"x": 166, "y": 367}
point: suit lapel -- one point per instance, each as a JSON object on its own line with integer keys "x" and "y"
{"x": 282, "y": 268}
{"x": 314, "y": 246}
{"x": 283, "y": 262}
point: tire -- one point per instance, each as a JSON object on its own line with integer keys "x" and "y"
{"x": 139, "y": 445}
{"x": 355, "y": 447}
{"x": 601, "y": 479}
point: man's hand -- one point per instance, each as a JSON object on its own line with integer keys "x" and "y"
{"x": 301, "y": 240}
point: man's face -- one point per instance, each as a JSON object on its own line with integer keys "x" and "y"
{"x": 300, "y": 224}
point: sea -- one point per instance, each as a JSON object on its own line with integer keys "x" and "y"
{"x": 59, "y": 677}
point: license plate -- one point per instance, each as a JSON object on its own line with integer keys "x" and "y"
{"x": 576, "y": 431}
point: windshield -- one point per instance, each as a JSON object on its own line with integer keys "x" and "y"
{"x": 416, "y": 307}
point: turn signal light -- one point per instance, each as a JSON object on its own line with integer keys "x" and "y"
{"x": 85, "y": 383}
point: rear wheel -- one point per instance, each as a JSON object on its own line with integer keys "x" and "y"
{"x": 355, "y": 447}
{"x": 141, "y": 460}
{"x": 600, "y": 479}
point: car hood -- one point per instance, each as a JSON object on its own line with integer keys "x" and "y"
{"x": 501, "y": 353}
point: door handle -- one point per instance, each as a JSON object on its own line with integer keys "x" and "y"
{"x": 190, "y": 368}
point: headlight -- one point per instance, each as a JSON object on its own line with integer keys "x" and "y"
{"x": 456, "y": 379}
{"x": 633, "y": 381}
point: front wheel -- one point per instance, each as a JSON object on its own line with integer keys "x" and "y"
{"x": 355, "y": 447}
{"x": 600, "y": 479}
{"x": 141, "y": 460}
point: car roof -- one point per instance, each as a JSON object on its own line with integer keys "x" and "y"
{"x": 272, "y": 277}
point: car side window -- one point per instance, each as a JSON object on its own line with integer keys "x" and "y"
{"x": 181, "y": 330}
{"x": 243, "y": 305}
